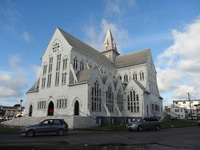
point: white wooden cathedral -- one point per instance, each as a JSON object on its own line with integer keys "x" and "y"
{"x": 87, "y": 87}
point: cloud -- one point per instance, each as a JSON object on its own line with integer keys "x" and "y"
{"x": 118, "y": 7}
{"x": 27, "y": 37}
{"x": 13, "y": 83}
{"x": 178, "y": 66}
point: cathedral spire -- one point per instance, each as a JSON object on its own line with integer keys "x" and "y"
{"x": 109, "y": 47}
{"x": 109, "y": 42}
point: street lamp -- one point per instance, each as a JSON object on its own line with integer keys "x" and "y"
{"x": 21, "y": 103}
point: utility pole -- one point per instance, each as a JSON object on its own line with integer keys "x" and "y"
{"x": 190, "y": 114}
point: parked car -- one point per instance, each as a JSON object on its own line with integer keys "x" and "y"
{"x": 58, "y": 126}
{"x": 141, "y": 124}
{"x": 198, "y": 122}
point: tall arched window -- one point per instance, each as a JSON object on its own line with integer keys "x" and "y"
{"x": 120, "y": 99}
{"x": 96, "y": 97}
{"x": 141, "y": 76}
{"x": 50, "y": 72}
{"x": 126, "y": 78}
{"x": 65, "y": 63}
{"x": 82, "y": 67}
{"x": 133, "y": 101}
{"x": 135, "y": 76}
{"x": 75, "y": 63}
{"x": 30, "y": 111}
{"x": 120, "y": 77}
{"x": 109, "y": 99}
{"x": 58, "y": 69}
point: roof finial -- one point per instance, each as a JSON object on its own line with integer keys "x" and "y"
{"x": 109, "y": 23}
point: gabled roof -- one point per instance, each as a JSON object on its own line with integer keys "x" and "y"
{"x": 35, "y": 87}
{"x": 136, "y": 58}
{"x": 85, "y": 75}
{"x": 84, "y": 48}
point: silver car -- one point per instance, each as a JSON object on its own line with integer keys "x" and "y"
{"x": 141, "y": 124}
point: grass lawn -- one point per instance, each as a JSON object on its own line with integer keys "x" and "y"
{"x": 179, "y": 123}
{"x": 171, "y": 124}
{"x": 8, "y": 130}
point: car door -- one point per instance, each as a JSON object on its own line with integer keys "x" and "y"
{"x": 44, "y": 127}
{"x": 56, "y": 124}
{"x": 146, "y": 123}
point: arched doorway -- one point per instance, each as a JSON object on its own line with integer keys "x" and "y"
{"x": 76, "y": 108}
{"x": 30, "y": 111}
{"x": 51, "y": 109}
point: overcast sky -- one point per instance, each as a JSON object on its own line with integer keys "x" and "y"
{"x": 170, "y": 28}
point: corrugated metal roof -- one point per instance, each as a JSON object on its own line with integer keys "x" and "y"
{"x": 132, "y": 59}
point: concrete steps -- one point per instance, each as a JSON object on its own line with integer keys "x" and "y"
{"x": 72, "y": 121}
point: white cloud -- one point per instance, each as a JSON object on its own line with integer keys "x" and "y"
{"x": 13, "y": 83}
{"x": 36, "y": 70}
{"x": 27, "y": 37}
{"x": 118, "y": 7}
{"x": 178, "y": 66}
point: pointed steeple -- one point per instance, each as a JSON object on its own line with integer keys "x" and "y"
{"x": 109, "y": 47}
{"x": 109, "y": 42}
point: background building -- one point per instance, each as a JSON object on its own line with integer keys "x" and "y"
{"x": 189, "y": 106}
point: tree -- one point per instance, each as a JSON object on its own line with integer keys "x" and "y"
{"x": 17, "y": 105}
{"x": 166, "y": 110}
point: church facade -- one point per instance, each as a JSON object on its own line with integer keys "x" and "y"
{"x": 85, "y": 86}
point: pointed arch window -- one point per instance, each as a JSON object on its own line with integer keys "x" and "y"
{"x": 64, "y": 78}
{"x": 133, "y": 102}
{"x": 120, "y": 99}
{"x": 50, "y": 72}
{"x": 44, "y": 69}
{"x": 64, "y": 63}
{"x": 43, "y": 82}
{"x": 109, "y": 99}
{"x": 58, "y": 62}
{"x": 82, "y": 67}
{"x": 96, "y": 97}
{"x": 58, "y": 70}
{"x": 126, "y": 78}
{"x": 75, "y": 64}
{"x": 135, "y": 76}
{"x": 141, "y": 76}
{"x": 120, "y": 77}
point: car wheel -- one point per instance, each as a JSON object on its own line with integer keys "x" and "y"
{"x": 157, "y": 127}
{"x": 30, "y": 133}
{"x": 140, "y": 128}
{"x": 61, "y": 132}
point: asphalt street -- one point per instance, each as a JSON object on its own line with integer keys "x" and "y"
{"x": 187, "y": 138}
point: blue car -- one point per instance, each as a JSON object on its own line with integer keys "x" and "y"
{"x": 58, "y": 126}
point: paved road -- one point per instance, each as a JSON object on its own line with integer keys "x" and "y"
{"x": 174, "y": 139}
